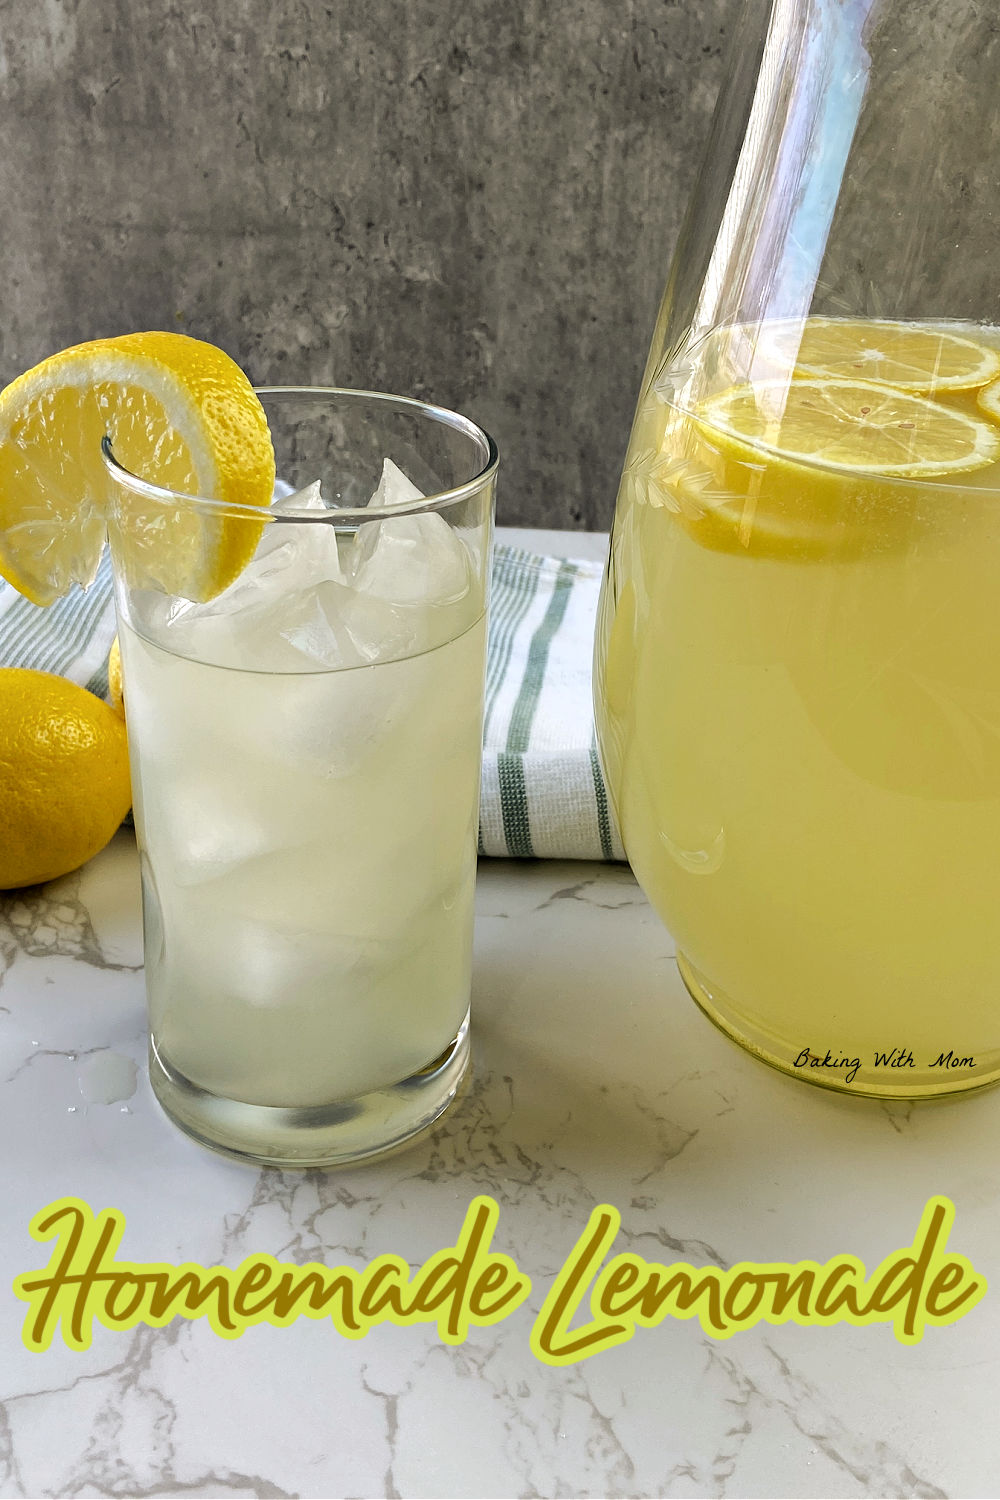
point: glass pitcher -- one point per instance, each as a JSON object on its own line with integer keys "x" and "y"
{"x": 797, "y": 672}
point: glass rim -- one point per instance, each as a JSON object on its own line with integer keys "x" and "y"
{"x": 348, "y": 516}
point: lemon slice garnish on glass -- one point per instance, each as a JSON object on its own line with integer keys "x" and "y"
{"x": 912, "y": 357}
{"x": 180, "y": 413}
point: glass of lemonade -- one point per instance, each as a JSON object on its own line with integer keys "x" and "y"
{"x": 797, "y": 674}
{"x": 305, "y": 755}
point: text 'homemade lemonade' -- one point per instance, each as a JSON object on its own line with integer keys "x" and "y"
{"x": 798, "y": 691}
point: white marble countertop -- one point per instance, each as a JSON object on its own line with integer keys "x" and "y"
{"x": 596, "y": 1081}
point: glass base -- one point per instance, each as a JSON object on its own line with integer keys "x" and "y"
{"x": 326, "y": 1135}
{"x": 894, "y": 1078}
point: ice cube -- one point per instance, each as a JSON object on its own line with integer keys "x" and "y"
{"x": 308, "y": 548}
{"x": 285, "y": 499}
{"x": 205, "y": 833}
{"x": 409, "y": 559}
{"x": 414, "y": 560}
{"x": 405, "y": 571}
{"x": 313, "y": 622}
{"x": 279, "y": 614}
{"x": 394, "y": 488}
{"x": 309, "y": 498}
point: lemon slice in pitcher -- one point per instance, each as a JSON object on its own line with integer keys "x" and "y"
{"x": 818, "y": 468}
{"x": 853, "y": 424}
{"x": 180, "y": 413}
{"x": 913, "y": 357}
{"x": 988, "y": 401}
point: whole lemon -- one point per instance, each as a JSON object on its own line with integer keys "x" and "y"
{"x": 115, "y": 690}
{"x": 64, "y": 781}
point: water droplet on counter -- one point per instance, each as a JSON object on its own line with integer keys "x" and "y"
{"x": 107, "y": 1077}
{"x": 71, "y": 1110}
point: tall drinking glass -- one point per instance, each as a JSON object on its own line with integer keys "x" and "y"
{"x": 305, "y": 752}
{"x": 798, "y": 656}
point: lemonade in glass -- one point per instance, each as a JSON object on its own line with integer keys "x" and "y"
{"x": 306, "y": 750}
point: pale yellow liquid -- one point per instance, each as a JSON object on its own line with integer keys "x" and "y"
{"x": 802, "y": 745}
{"x": 308, "y": 846}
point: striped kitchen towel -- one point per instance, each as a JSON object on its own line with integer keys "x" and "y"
{"x": 543, "y": 795}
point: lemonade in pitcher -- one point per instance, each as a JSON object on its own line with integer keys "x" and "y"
{"x": 798, "y": 692}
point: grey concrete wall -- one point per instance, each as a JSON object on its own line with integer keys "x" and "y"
{"x": 465, "y": 200}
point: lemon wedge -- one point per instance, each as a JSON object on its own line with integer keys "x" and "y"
{"x": 912, "y": 357}
{"x": 180, "y": 414}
